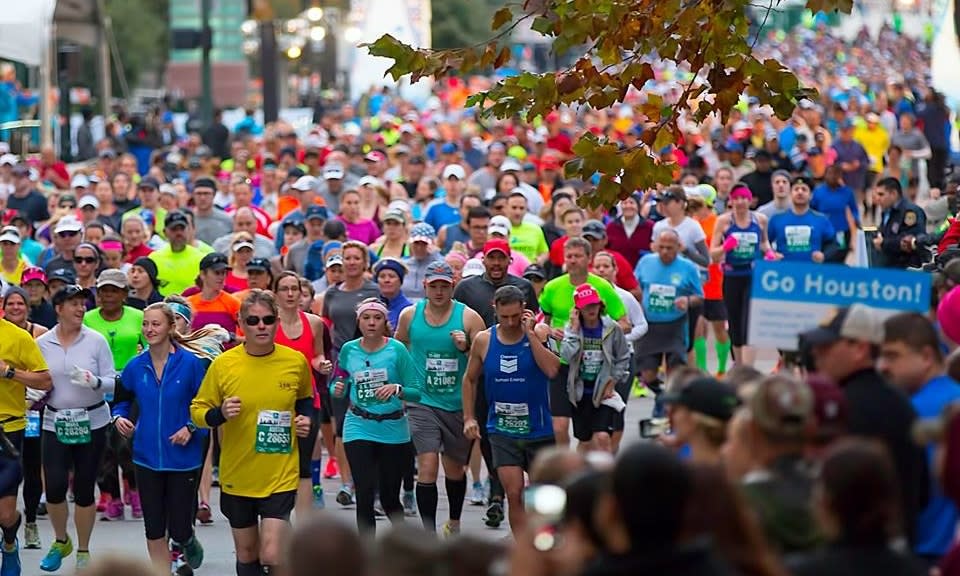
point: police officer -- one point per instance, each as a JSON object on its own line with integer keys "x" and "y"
{"x": 901, "y": 224}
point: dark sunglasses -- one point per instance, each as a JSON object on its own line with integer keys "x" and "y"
{"x": 85, "y": 260}
{"x": 269, "y": 320}
{"x": 69, "y": 206}
{"x": 68, "y": 234}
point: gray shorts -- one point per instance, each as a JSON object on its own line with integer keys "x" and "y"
{"x": 436, "y": 431}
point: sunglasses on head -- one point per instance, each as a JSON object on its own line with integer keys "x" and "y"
{"x": 68, "y": 234}
{"x": 268, "y": 320}
{"x": 84, "y": 260}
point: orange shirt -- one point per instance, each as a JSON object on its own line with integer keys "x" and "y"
{"x": 713, "y": 287}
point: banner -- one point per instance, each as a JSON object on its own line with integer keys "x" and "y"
{"x": 788, "y": 298}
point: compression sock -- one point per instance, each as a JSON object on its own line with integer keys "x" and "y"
{"x": 723, "y": 355}
{"x": 315, "y": 472}
{"x": 456, "y": 492}
{"x": 10, "y": 532}
{"x": 427, "y": 505}
{"x": 700, "y": 351}
{"x": 249, "y": 568}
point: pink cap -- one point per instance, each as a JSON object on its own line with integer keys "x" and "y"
{"x": 948, "y": 314}
{"x": 33, "y": 273}
{"x": 585, "y": 295}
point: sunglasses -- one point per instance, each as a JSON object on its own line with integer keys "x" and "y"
{"x": 269, "y": 320}
{"x": 85, "y": 260}
{"x": 69, "y": 206}
{"x": 68, "y": 234}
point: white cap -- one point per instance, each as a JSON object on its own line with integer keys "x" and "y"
{"x": 333, "y": 172}
{"x": 9, "y": 160}
{"x": 68, "y": 224}
{"x": 80, "y": 181}
{"x": 499, "y": 225}
{"x": 370, "y": 181}
{"x": 352, "y": 129}
{"x": 89, "y": 200}
{"x": 454, "y": 170}
{"x": 305, "y": 183}
{"x": 167, "y": 188}
{"x": 511, "y": 164}
{"x": 10, "y": 234}
{"x": 473, "y": 267}
{"x": 244, "y": 244}
{"x": 334, "y": 260}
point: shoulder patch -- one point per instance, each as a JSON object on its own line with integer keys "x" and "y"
{"x": 910, "y": 218}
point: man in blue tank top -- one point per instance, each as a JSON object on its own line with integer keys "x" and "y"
{"x": 517, "y": 368}
{"x": 438, "y": 331}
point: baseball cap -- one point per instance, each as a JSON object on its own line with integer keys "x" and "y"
{"x": 316, "y": 212}
{"x": 448, "y": 148}
{"x": 112, "y": 277}
{"x": 473, "y": 267}
{"x": 375, "y": 156}
{"x": 68, "y": 224}
{"x": 370, "y": 181}
{"x": 242, "y": 244}
{"x": 454, "y": 170}
{"x": 296, "y": 222}
{"x": 334, "y": 260}
{"x": 89, "y": 200}
{"x": 858, "y": 322}
{"x": 496, "y": 245}
{"x": 535, "y": 271}
{"x": 149, "y": 182}
{"x": 305, "y": 183}
{"x": 499, "y": 225}
{"x": 64, "y": 275}
{"x": 10, "y": 234}
{"x": 511, "y": 165}
{"x": 873, "y": 117}
{"x": 829, "y": 408}
{"x": 585, "y": 295}
{"x": 395, "y": 215}
{"x": 80, "y": 181}
{"x": 390, "y": 264}
{"x": 333, "y": 172}
{"x": 168, "y": 189}
{"x": 21, "y": 170}
{"x": 594, "y": 229}
{"x": 9, "y": 160}
{"x": 176, "y": 218}
{"x": 205, "y": 182}
{"x": 214, "y": 261}
{"x": 261, "y": 264}
{"x": 438, "y": 270}
{"x": 33, "y": 273}
{"x": 782, "y": 406}
{"x": 707, "y": 396}
{"x": 423, "y": 232}
{"x": 69, "y": 291}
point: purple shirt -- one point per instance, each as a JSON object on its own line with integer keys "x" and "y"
{"x": 365, "y": 231}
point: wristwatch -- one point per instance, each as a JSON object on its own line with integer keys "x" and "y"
{"x": 10, "y": 373}
{"x": 191, "y": 427}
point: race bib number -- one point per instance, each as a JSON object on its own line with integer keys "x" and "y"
{"x": 274, "y": 432}
{"x": 592, "y": 359}
{"x": 33, "y": 424}
{"x": 798, "y": 238}
{"x": 72, "y": 426}
{"x": 367, "y": 383}
{"x": 512, "y": 418}
{"x": 443, "y": 369}
{"x": 746, "y": 244}
{"x": 663, "y": 298}
{"x": 842, "y": 240}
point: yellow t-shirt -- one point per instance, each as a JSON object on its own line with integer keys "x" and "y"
{"x": 266, "y": 385}
{"x": 14, "y": 276}
{"x": 18, "y": 349}
{"x": 528, "y": 239}
{"x": 875, "y": 142}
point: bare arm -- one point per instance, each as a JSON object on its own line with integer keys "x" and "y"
{"x": 764, "y": 239}
{"x": 403, "y": 326}
{"x": 716, "y": 241}
{"x": 474, "y": 368}
{"x": 473, "y": 323}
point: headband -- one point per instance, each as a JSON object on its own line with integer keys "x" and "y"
{"x": 111, "y": 245}
{"x": 181, "y": 310}
{"x": 374, "y": 305}
{"x": 741, "y": 192}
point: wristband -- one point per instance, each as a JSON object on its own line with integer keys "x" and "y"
{"x": 10, "y": 373}
{"x": 730, "y": 243}
{"x": 99, "y": 383}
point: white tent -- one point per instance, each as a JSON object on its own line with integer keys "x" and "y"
{"x": 25, "y": 29}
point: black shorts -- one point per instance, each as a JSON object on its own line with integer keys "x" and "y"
{"x": 560, "y": 406}
{"x": 653, "y": 361}
{"x": 623, "y": 389}
{"x": 714, "y": 310}
{"x": 11, "y": 469}
{"x": 325, "y": 413}
{"x": 509, "y": 451}
{"x": 244, "y": 512}
{"x": 589, "y": 419}
{"x": 305, "y": 445}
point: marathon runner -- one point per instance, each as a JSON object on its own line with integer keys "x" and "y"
{"x": 516, "y": 368}
{"x": 438, "y": 332}
{"x": 261, "y": 396}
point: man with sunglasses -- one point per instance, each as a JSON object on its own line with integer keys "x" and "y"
{"x": 67, "y": 235}
{"x": 26, "y": 198}
{"x": 260, "y": 395}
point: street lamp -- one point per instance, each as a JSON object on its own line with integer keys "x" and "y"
{"x": 314, "y": 13}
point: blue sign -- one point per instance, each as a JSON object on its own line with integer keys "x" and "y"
{"x": 841, "y": 286}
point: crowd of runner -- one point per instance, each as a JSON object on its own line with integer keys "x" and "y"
{"x": 401, "y": 291}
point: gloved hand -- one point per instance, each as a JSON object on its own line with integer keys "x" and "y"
{"x": 35, "y": 395}
{"x": 730, "y": 243}
{"x": 83, "y": 377}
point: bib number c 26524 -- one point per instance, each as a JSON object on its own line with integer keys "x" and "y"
{"x": 274, "y": 432}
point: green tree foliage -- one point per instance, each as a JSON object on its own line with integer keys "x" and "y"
{"x": 711, "y": 37}
{"x": 141, "y": 29}
{"x": 456, "y": 23}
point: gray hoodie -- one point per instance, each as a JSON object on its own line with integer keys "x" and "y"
{"x": 616, "y": 359}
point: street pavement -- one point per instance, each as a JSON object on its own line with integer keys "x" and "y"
{"x": 127, "y": 537}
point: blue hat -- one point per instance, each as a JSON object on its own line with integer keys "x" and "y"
{"x": 330, "y": 246}
{"x": 314, "y": 267}
{"x": 316, "y": 212}
{"x": 422, "y": 232}
{"x": 448, "y": 148}
{"x": 390, "y": 264}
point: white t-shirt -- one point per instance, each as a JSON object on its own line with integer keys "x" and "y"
{"x": 689, "y": 231}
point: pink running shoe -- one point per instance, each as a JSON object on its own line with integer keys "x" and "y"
{"x": 332, "y": 470}
{"x": 114, "y": 511}
{"x": 135, "y": 510}
{"x": 102, "y": 503}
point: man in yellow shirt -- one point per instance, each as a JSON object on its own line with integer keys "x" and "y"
{"x": 12, "y": 264}
{"x": 21, "y": 366}
{"x": 260, "y": 395}
{"x": 875, "y": 140}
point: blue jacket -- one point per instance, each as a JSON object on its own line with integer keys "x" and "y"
{"x": 164, "y": 409}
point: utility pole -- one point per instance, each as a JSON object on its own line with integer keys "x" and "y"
{"x": 263, "y": 14}
{"x": 206, "y": 80}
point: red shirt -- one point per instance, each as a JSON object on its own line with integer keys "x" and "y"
{"x": 141, "y": 251}
{"x": 633, "y": 246}
{"x": 625, "y": 277}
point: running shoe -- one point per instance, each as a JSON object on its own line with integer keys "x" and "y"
{"x": 102, "y": 503}
{"x": 345, "y": 496}
{"x": 193, "y": 552}
{"x": 54, "y": 558}
{"x": 204, "y": 516}
{"x": 494, "y": 515}
{"x": 42, "y": 509}
{"x": 31, "y": 536}
{"x": 178, "y": 562}
{"x": 378, "y": 511}
{"x": 114, "y": 511}
{"x": 215, "y": 475}
{"x": 332, "y": 469}
{"x": 639, "y": 389}
{"x": 450, "y": 530}
{"x": 83, "y": 559}
{"x": 11, "y": 559}
{"x": 318, "y": 502}
{"x": 409, "y": 503}
{"x": 135, "y": 509}
{"x": 477, "y": 496}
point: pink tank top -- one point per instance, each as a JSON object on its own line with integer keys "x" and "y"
{"x": 304, "y": 345}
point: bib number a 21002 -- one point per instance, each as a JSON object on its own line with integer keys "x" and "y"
{"x": 274, "y": 432}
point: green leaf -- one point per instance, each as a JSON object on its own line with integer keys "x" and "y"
{"x": 543, "y": 25}
{"x": 501, "y": 17}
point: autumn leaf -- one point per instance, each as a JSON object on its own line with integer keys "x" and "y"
{"x": 501, "y": 17}
{"x": 845, "y": 6}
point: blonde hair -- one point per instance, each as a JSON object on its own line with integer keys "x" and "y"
{"x": 238, "y": 237}
{"x": 207, "y": 342}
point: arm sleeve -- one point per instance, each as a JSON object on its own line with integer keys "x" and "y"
{"x": 637, "y": 319}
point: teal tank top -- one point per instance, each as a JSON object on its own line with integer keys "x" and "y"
{"x": 434, "y": 354}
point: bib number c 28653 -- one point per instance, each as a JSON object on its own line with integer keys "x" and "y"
{"x": 274, "y": 432}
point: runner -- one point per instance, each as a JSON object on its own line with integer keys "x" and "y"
{"x": 75, "y": 421}
{"x": 438, "y": 332}
{"x": 259, "y": 394}
{"x": 167, "y": 447}
{"x": 739, "y": 238}
{"x": 304, "y": 333}
{"x": 211, "y": 304}
{"x": 23, "y": 373}
{"x": 122, "y": 326}
{"x": 800, "y": 234}
{"x": 375, "y": 430}
{"x": 598, "y": 357}
{"x": 517, "y": 369}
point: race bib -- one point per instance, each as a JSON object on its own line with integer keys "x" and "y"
{"x": 663, "y": 298}
{"x": 274, "y": 432}
{"x": 746, "y": 244}
{"x": 443, "y": 368}
{"x": 367, "y": 383}
{"x": 512, "y": 418}
{"x": 33, "y": 424}
{"x": 72, "y": 426}
{"x": 798, "y": 238}
{"x": 592, "y": 359}
{"x": 842, "y": 240}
